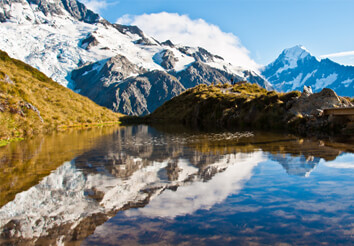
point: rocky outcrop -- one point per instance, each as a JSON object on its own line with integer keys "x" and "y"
{"x": 89, "y": 42}
{"x": 134, "y": 30}
{"x": 168, "y": 43}
{"x": 199, "y": 54}
{"x": 168, "y": 60}
{"x": 314, "y": 103}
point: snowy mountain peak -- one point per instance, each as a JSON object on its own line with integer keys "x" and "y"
{"x": 43, "y": 11}
{"x": 295, "y": 53}
{"x": 296, "y": 67}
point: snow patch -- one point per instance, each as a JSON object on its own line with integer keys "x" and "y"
{"x": 309, "y": 75}
{"x": 296, "y": 82}
{"x": 324, "y": 82}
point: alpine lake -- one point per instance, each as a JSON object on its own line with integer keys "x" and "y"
{"x": 140, "y": 185}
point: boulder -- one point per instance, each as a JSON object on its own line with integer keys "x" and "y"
{"x": 312, "y": 104}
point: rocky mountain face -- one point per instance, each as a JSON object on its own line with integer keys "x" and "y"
{"x": 72, "y": 8}
{"x": 120, "y": 85}
{"x": 296, "y": 67}
{"x": 115, "y": 65}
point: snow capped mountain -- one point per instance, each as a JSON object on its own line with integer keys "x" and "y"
{"x": 81, "y": 50}
{"x": 296, "y": 67}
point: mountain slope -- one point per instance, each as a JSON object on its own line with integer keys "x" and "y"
{"x": 31, "y": 102}
{"x": 296, "y": 67}
{"x": 60, "y": 37}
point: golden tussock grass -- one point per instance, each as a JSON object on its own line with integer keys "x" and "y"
{"x": 22, "y": 86}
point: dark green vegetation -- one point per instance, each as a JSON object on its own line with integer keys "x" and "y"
{"x": 246, "y": 105}
{"x": 31, "y": 103}
{"x": 241, "y": 105}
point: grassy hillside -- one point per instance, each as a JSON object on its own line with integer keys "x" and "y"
{"x": 246, "y": 105}
{"x": 30, "y": 102}
{"x": 243, "y": 104}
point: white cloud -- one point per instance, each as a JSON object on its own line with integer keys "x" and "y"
{"x": 339, "y": 54}
{"x": 181, "y": 29}
{"x": 95, "y": 5}
{"x": 344, "y": 161}
{"x": 345, "y": 58}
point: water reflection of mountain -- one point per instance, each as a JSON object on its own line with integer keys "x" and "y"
{"x": 300, "y": 166}
{"x": 135, "y": 166}
{"x": 126, "y": 169}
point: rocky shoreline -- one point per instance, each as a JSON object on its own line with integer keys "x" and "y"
{"x": 246, "y": 105}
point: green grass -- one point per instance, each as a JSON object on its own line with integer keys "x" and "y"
{"x": 58, "y": 106}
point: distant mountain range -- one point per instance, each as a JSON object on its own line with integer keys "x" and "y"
{"x": 117, "y": 66}
{"x": 296, "y": 67}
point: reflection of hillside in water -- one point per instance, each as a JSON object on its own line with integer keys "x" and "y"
{"x": 296, "y": 155}
{"x": 175, "y": 174}
{"x": 25, "y": 163}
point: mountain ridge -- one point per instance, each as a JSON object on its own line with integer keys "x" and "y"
{"x": 297, "y": 67}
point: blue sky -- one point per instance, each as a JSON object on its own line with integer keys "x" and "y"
{"x": 263, "y": 27}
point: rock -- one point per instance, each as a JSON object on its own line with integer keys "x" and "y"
{"x": 7, "y": 80}
{"x": 306, "y": 104}
{"x": 317, "y": 112}
{"x": 307, "y": 90}
{"x": 89, "y": 42}
{"x": 168, "y": 60}
{"x": 31, "y": 107}
{"x": 168, "y": 43}
{"x": 135, "y": 31}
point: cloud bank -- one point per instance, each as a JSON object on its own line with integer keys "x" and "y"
{"x": 180, "y": 29}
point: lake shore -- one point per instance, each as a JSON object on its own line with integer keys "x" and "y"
{"x": 248, "y": 106}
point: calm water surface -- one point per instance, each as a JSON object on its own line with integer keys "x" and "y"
{"x": 143, "y": 186}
